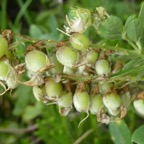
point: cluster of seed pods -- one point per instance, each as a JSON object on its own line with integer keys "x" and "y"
{"x": 74, "y": 75}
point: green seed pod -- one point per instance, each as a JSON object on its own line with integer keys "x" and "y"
{"x": 65, "y": 103}
{"x": 65, "y": 100}
{"x": 81, "y": 70}
{"x": 53, "y": 89}
{"x": 139, "y": 106}
{"x": 68, "y": 70}
{"x": 105, "y": 87}
{"x": 81, "y": 101}
{"x": 4, "y": 69}
{"x": 91, "y": 57}
{"x": 58, "y": 67}
{"x": 79, "y": 41}
{"x": 102, "y": 67}
{"x": 12, "y": 79}
{"x": 39, "y": 93}
{"x": 36, "y": 60}
{"x": 112, "y": 101}
{"x": 126, "y": 99}
{"x": 67, "y": 56}
{"x": 9, "y": 55}
{"x": 96, "y": 103}
{"x": 114, "y": 112}
{"x": 3, "y": 46}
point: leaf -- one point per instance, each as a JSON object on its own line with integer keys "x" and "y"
{"x": 24, "y": 95}
{"x": 133, "y": 63}
{"x": 111, "y": 28}
{"x": 120, "y": 133}
{"x": 35, "y": 31}
{"x": 141, "y": 14}
{"x": 134, "y": 26}
{"x": 138, "y": 135}
{"x": 130, "y": 18}
{"x": 32, "y": 112}
{"x": 132, "y": 31}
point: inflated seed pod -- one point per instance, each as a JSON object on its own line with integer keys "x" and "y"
{"x": 68, "y": 70}
{"x": 4, "y": 69}
{"x": 65, "y": 103}
{"x": 114, "y": 112}
{"x": 3, "y": 46}
{"x": 53, "y": 89}
{"x": 102, "y": 67}
{"x": 112, "y": 101}
{"x": 79, "y": 41}
{"x": 12, "y": 79}
{"x": 91, "y": 57}
{"x": 58, "y": 67}
{"x": 105, "y": 87}
{"x": 36, "y": 60}
{"x": 39, "y": 93}
{"x": 81, "y": 70}
{"x": 67, "y": 56}
{"x": 65, "y": 100}
{"x": 139, "y": 106}
{"x": 96, "y": 103}
{"x": 81, "y": 101}
{"x": 126, "y": 99}
{"x": 9, "y": 55}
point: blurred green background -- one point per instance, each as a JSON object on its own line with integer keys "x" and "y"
{"x": 23, "y": 120}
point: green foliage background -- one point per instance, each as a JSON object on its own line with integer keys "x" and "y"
{"x": 23, "y": 120}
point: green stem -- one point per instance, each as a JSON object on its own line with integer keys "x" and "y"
{"x": 4, "y": 14}
{"x": 22, "y": 11}
{"x": 26, "y": 14}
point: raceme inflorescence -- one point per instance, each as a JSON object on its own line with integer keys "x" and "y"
{"x": 94, "y": 78}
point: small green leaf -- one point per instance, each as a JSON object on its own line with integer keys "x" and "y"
{"x": 133, "y": 63}
{"x": 35, "y": 31}
{"x": 138, "y": 135}
{"x": 141, "y": 14}
{"x": 134, "y": 26}
{"x": 131, "y": 31}
{"x": 32, "y": 112}
{"x": 111, "y": 28}
{"x": 130, "y": 18}
{"x": 120, "y": 133}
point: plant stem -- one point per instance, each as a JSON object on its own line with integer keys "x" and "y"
{"x": 4, "y": 14}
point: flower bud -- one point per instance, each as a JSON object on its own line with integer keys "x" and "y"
{"x": 53, "y": 89}
{"x": 3, "y": 46}
{"x": 79, "y": 41}
{"x": 67, "y": 56}
{"x": 80, "y": 19}
{"x": 96, "y": 103}
{"x": 36, "y": 60}
{"x": 102, "y": 67}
